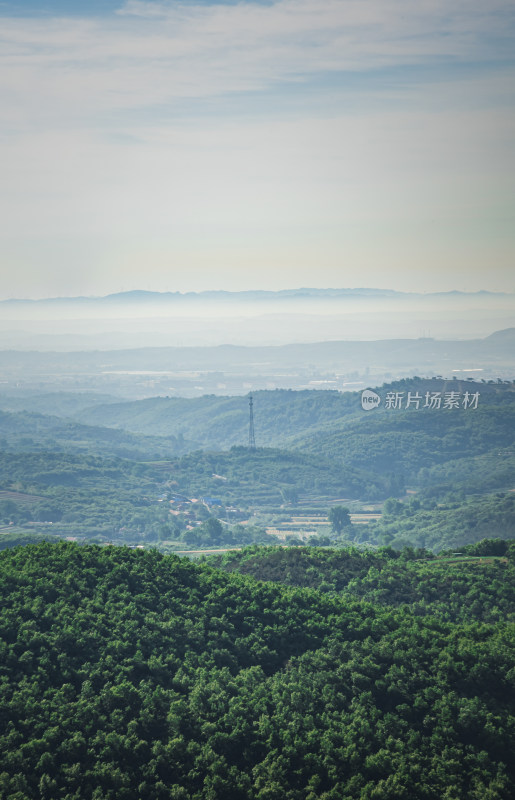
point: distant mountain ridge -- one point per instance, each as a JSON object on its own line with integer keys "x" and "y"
{"x": 258, "y": 295}
{"x": 138, "y": 318}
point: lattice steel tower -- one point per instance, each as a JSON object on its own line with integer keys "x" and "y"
{"x": 252, "y": 438}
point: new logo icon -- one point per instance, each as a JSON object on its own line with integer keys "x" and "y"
{"x": 369, "y": 400}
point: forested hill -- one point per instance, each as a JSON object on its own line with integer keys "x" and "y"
{"x": 267, "y": 476}
{"x": 89, "y": 480}
{"x": 130, "y": 675}
{"x": 283, "y": 418}
{"x": 221, "y": 422}
{"x": 457, "y": 588}
{"x": 30, "y": 432}
{"x": 411, "y": 440}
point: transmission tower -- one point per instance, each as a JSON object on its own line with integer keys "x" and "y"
{"x": 252, "y": 438}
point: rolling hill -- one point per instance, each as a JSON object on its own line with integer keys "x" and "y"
{"x": 127, "y": 674}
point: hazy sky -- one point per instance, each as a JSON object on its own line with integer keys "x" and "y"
{"x": 237, "y": 145}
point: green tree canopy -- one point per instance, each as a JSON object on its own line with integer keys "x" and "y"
{"x": 339, "y": 517}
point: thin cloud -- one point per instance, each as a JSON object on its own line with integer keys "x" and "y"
{"x": 152, "y": 55}
{"x": 303, "y": 134}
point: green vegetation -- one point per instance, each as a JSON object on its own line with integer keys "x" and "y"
{"x": 105, "y": 500}
{"x": 127, "y": 675}
{"x": 84, "y": 495}
{"x": 450, "y": 524}
{"x": 29, "y": 432}
{"x": 62, "y": 477}
{"x": 457, "y": 589}
{"x": 414, "y": 445}
{"x": 339, "y": 518}
{"x": 218, "y": 423}
{"x": 377, "y": 669}
{"x": 270, "y": 477}
{"x": 318, "y": 421}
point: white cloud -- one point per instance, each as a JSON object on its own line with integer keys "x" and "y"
{"x": 151, "y": 55}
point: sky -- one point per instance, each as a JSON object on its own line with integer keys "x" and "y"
{"x": 185, "y": 146}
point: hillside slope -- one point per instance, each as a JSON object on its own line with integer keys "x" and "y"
{"x": 214, "y": 422}
{"x": 129, "y": 675}
{"x": 28, "y": 432}
{"x": 458, "y": 591}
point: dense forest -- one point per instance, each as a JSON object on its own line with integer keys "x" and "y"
{"x": 479, "y": 584}
{"x": 130, "y": 674}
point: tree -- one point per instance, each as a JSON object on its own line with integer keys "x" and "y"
{"x": 393, "y": 507}
{"x": 339, "y": 517}
{"x": 212, "y": 530}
